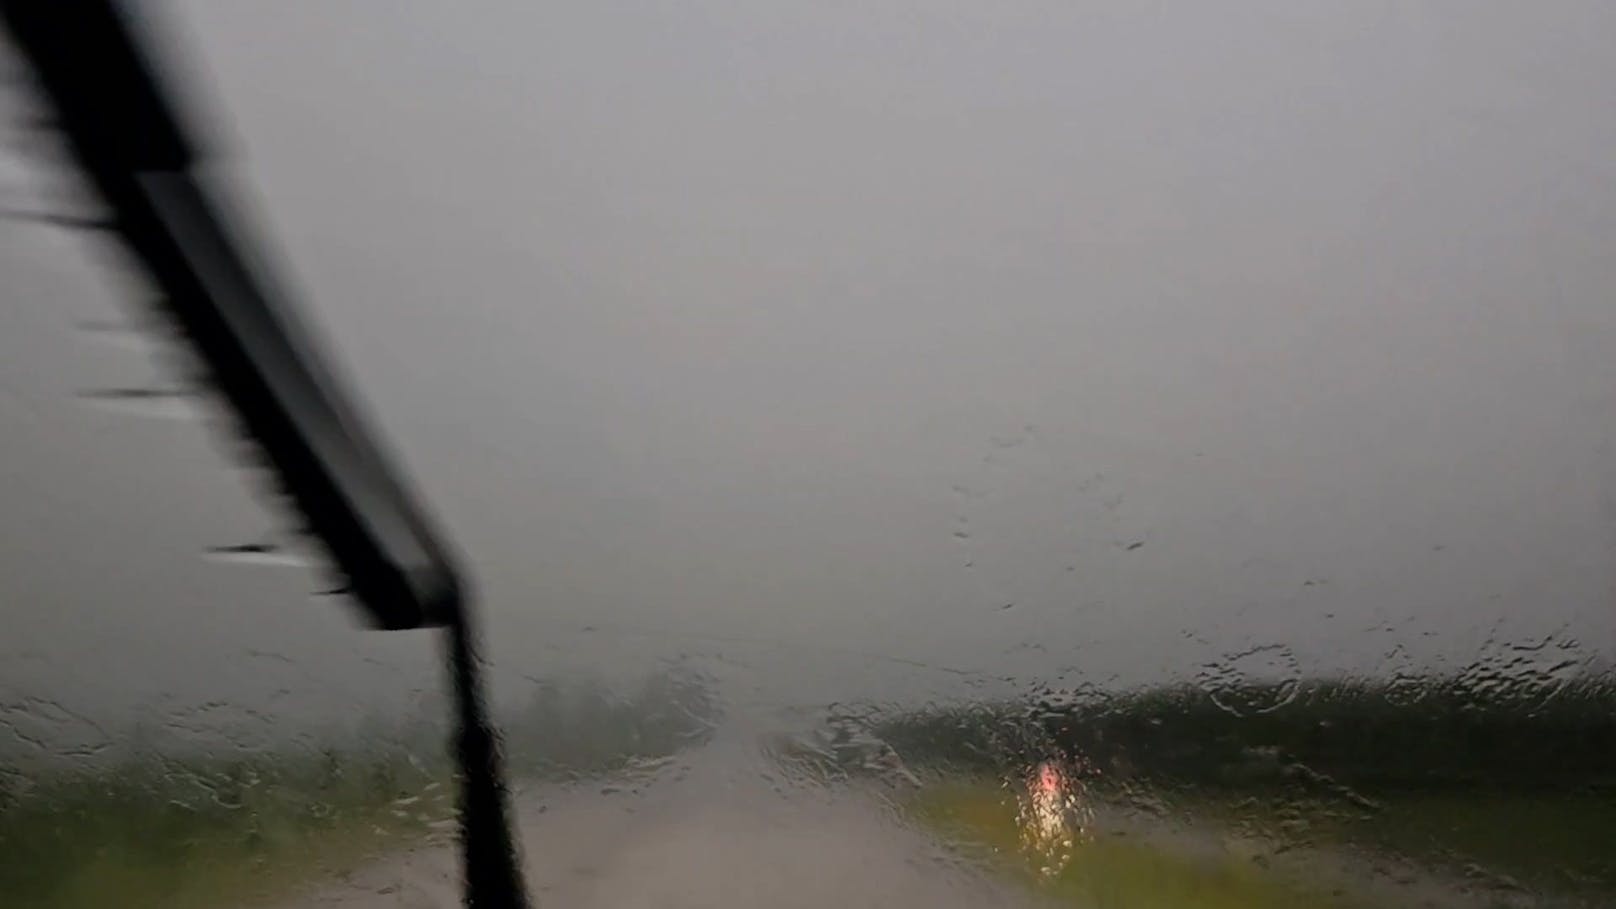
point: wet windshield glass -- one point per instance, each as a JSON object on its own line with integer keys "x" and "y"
{"x": 909, "y": 455}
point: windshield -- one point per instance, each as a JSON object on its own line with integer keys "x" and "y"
{"x": 918, "y": 454}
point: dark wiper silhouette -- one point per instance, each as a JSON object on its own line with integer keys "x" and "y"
{"x": 126, "y": 135}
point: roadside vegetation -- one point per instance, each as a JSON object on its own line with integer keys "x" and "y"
{"x": 1507, "y": 792}
{"x": 1108, "y": 868}
{"x": 151, "y": 828}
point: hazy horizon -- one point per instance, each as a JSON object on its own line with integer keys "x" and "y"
{"x": 902, "y": 351}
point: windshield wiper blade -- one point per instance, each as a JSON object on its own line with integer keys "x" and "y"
{"x": 132, "y": 146}
{"x": 127, "y": 137}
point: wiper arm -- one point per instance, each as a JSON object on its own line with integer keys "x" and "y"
{"x": 127, "y": 137}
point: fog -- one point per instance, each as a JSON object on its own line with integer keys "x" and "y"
{"x": 894, "y": 351}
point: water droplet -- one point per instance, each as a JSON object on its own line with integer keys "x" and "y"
{"x": 1257, "y": 680}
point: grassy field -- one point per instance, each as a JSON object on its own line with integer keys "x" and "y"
{"x": 1111, "y": 869}
{"x": 202, "y": 833}
{"x": 1555, "y": 844}
{"x": 192, "y": 831}
{"x": 1443, "y": 786}
{"x": 1257, "y": 852}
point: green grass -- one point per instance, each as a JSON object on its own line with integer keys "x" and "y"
{"x": 1546, "y": 842}
{"x": 207, "y": 833}
{"x": 1496, "y": 779}
{"x": 1109, "y": 871}
{"x": 1265, "y": 849}
{"x": 155, "y": 829}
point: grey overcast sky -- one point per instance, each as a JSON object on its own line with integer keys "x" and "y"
{"x": 857, "y": 346}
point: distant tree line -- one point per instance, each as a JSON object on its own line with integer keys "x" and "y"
{"x": 1430, "y": 733}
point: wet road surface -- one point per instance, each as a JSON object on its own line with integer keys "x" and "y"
{"x": 721, "y": 829}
